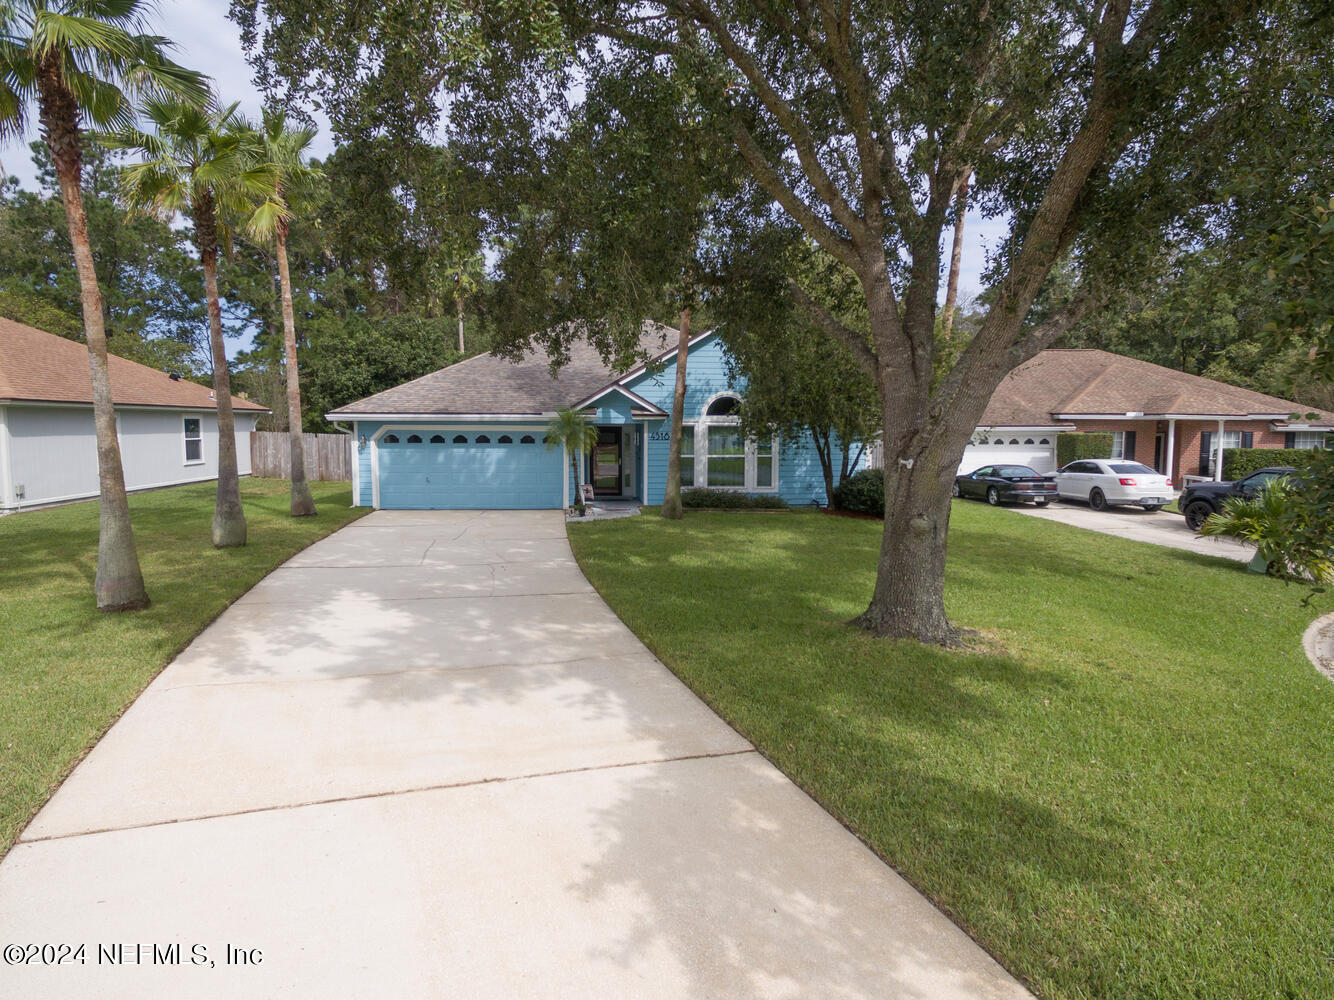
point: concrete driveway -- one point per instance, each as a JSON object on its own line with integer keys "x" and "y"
{"x": 1139, "y": 525}
{"x": 424, "y": 759}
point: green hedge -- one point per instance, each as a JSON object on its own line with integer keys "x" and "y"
{"x": 728, "y": 500}
{"x": 863, "y": 493}
{"x": 1071, "y": 446}
{"x": 1238, "y": 462}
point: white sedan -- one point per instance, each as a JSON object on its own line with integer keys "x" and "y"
{"x": 1111, "y": 482}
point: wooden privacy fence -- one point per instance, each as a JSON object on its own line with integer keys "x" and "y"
{"x": 328, "y": 456}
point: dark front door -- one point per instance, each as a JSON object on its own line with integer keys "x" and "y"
{"x": 606, "y": 462}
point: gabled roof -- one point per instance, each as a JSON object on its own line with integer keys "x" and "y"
{"x": 640, "y": 404}
{"x": 1060, "y": 385}
{"x": 491, "y": 385}
{"x": 36, "y": 366}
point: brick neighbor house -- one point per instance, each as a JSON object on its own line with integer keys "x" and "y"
{"x": 1170, "y": 420}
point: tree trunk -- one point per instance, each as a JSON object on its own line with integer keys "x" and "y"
{"x": 458, "y": 307}
{"x": 823, "y": 451}
{"x": 119, "y": 585}
{"x": 956, "y": 255}
{"x": 671, "y": 498}
{"x": 229, "y": 527}
{"x": 303, "y": 504}
{"x": 909, "y": 597}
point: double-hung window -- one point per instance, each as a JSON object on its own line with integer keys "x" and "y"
{"x": 194, "y": 441}
{"x": 1308, "y": 439}
{"x": 764, "y": 464}
{"x": 687, "y": 456}
{"x": 727, "y": 458}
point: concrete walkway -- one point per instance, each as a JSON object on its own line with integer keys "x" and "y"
{"x": 1139, "y": 525}
{"x": 424, "y": 759}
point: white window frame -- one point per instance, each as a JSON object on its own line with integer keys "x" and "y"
{"x": 702, "y": 425}
{"x": 186, "y": 439}
{"x": 1118, "y": 445}
{"x": 1308, "y": 439}
{"x": 694, "y": 474}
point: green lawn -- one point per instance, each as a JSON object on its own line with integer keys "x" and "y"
{"x": 67, "y": 671}
{"x": 1129, "y": 796}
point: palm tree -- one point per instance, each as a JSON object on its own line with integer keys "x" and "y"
{"x": 1275, "y": 524}
{"x": 572, "y": 430}
{"x": 283, "y": 151}
{"x": 77, "y": 60}
{"x": 200, "y": 160}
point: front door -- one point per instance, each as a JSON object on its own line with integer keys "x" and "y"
{"x": 606, "y": 462}
{"x": 1158, "y": 455}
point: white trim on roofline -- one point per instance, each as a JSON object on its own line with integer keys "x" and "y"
{"x": 638, "y": 370}
{"x": 1280, "y": 426}
{"x": 1132, "y": 415}
{"x": 439, "y": 417}
{"x": 1046, "y": 428}
{"x": 646, "y": 407}
{"x": 154, "y": 407}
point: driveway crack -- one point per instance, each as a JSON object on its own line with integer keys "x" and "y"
{"x": 445, "y": 786}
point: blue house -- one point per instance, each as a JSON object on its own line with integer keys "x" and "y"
{"x": 470, "y": 436}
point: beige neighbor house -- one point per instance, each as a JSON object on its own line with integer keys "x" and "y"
{"x": 167, "y": 426}
{"x": 1177, "y": 423}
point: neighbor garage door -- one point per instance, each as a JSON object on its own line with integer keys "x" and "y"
{"x": 468, "y": 470}
{"x": 1037, "y": 451}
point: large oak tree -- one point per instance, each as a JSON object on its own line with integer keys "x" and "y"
{"x": 1098, "y": 129}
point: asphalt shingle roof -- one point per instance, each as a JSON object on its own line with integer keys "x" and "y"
{"x": 41, "y": 367}
{"x": 493, "y": 385}
{"x": 1088, "y": 382}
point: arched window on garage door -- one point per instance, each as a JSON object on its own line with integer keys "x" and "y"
{"x": 437, "y": 439}
{"x": 460, "y": 439}
{"x": 527, "y": 439}
{"x": 505, "y": 439}
{"x": 414, "y": 439}
{"x": 390, "y": 439}
{"x": 483, "y": 439}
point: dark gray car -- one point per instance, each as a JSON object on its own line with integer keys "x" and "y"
{"x": 1199, "y": 500}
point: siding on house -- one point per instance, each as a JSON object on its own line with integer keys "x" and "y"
{"x": 52, "y": 451}
{"x": 800, "y": 481}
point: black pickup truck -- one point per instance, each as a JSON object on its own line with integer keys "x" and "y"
{"x": 1199, "y": 500}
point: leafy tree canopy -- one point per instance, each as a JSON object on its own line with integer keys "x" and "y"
{"x": 1101, "y": 132}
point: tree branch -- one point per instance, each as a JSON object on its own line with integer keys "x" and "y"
{"x": 1042, "y": 336}
{"x": 839, "y": 246}
{"x": 784, "y": 114}
{"x": 846, "y": 336}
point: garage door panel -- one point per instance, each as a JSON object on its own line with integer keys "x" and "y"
{"x": 467, "y": 476}
{"x": 1040, "y": 457}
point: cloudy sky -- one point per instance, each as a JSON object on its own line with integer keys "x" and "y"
{"x": 205, "y": 41}
{"x": 210, "y": 43}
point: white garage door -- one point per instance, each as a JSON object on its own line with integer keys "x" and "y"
{"x": 1037, "y": 451}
